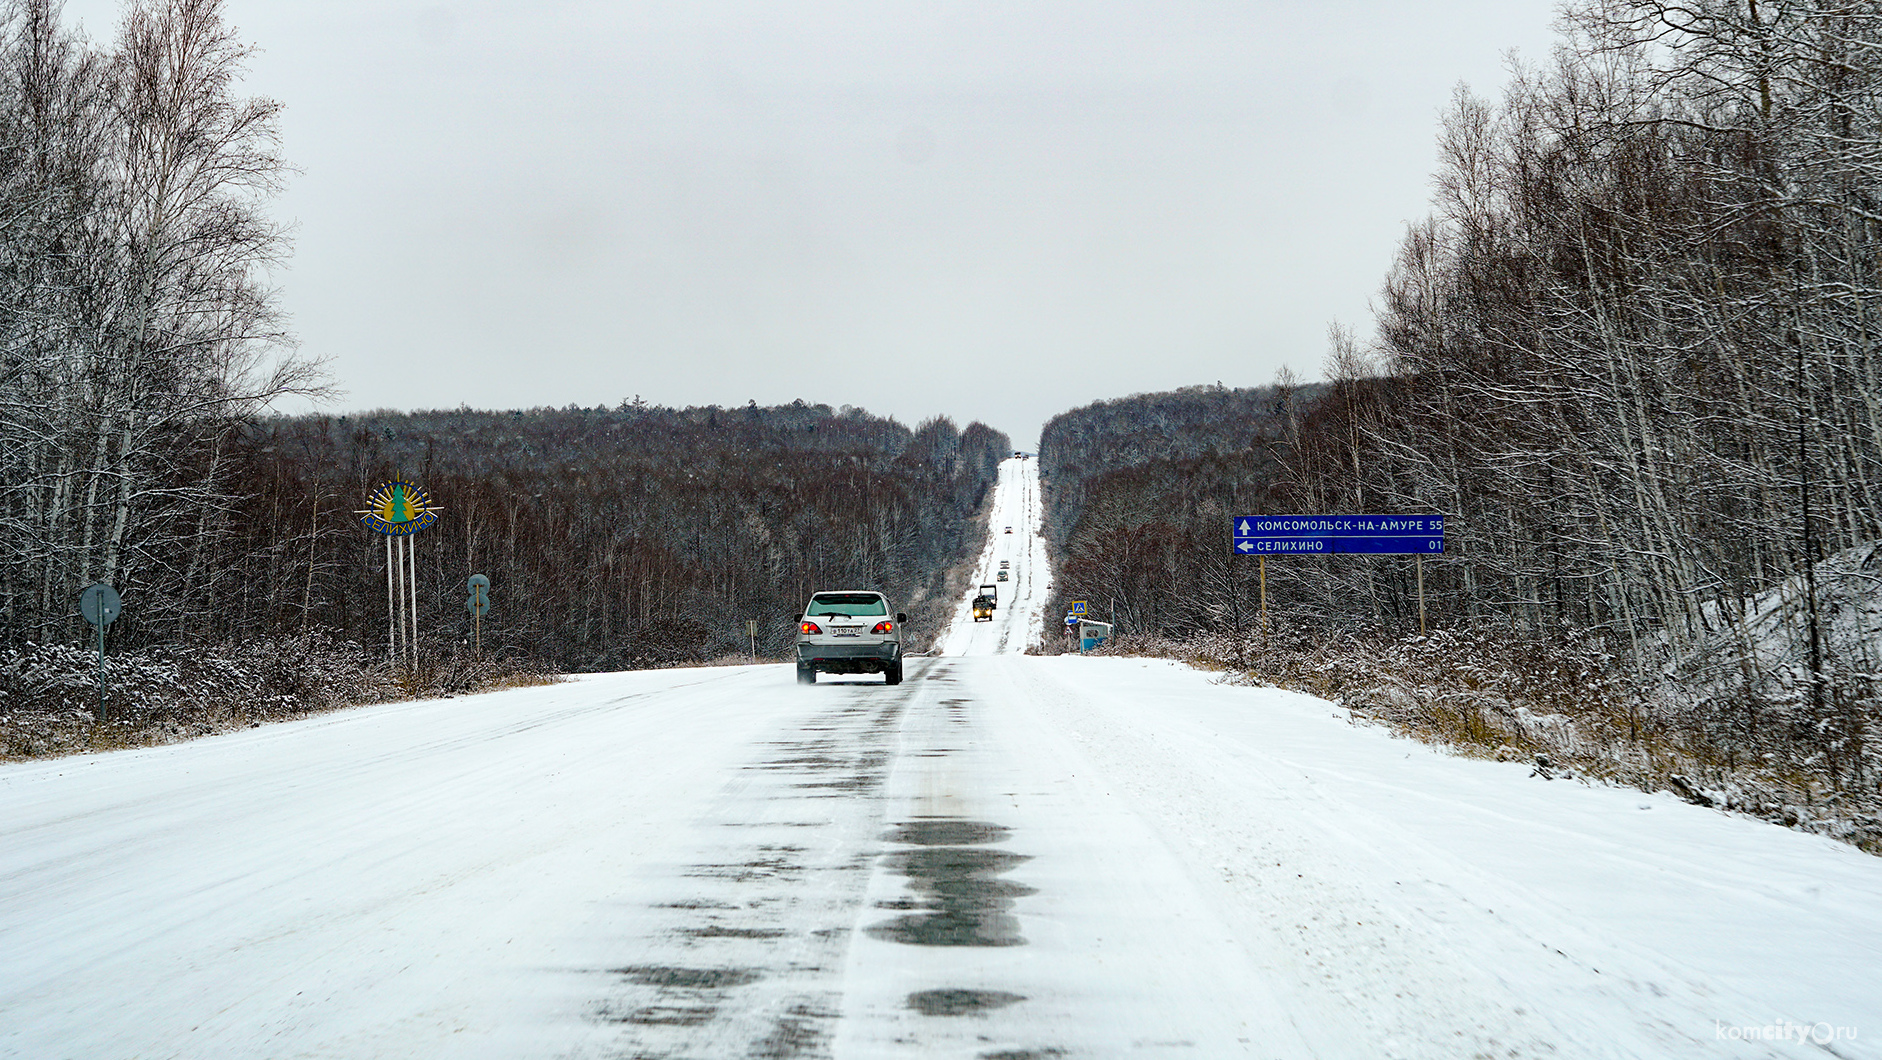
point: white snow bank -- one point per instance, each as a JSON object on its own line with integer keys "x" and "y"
{"x": 1397, "y": 884}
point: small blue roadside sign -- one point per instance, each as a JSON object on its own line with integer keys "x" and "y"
{"x": 1379, "y": 535}
{"x": 1078, "y": 607}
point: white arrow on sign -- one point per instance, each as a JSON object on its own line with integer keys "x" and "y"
{"x": 1246, "y": 529}
{"x": 1246, "y": 546}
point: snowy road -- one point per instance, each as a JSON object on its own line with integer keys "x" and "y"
{"x": 1018, "y": 620}
{"x": 1005, "y": 856}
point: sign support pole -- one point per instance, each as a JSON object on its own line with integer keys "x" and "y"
{"x": 406, "y": 589}
{"x": 1262, "y": 562}
{"x": 411, "y": 556}
{"x": 101, "y": 673}
{"x": 398, "y": 597}
{"x": 100, "y": 605}
{"x": 392, "y": 616}
{"x": 1420, "y": 560}
{"x": 398, "y": 594}
{"x": 479, "y": 602}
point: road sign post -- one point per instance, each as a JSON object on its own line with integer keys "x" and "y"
{"x": 399, "y": 510}
{"x": 100, "y": 605}
{"x": 1263, "y": 566}
{"x": 751, "y": 631}
{"x": 1074, "y": 615}
{"x": 478, "y": 603}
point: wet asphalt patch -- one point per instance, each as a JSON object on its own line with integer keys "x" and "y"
{"x": 714, "y": 931}
{"x": 682, "y": 997}
{"x": 743, "y": 872}
{"x": 958, "y": 1002}
{"x": 688, "y": 978}
{"x": 947, "y": 832}
{"x": 962, "y": 901}
{"x": 803, "y": 1030}
{"x": 668, "y": 1015}
{"x": 959, "y": 898}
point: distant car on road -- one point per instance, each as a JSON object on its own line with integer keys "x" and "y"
{"x": 1002, "y": 575}
{"x": 1005, "y": 563}
{"x": 1009, "y": 529}
{"x": 849, "y": 632}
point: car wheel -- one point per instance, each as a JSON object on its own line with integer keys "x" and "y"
{"x": 893, "y": 675}
{"x": 806, "y": 675}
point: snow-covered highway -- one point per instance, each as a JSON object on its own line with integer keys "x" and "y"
{"x": 1006, "y": 856}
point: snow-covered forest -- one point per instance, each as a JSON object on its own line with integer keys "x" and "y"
{"x": 1139, "y": 492}
{"x": 614, "y": 538}
{"x": 1632, "y": 353}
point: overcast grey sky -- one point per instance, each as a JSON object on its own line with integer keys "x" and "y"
{"x": 992, "y": 210}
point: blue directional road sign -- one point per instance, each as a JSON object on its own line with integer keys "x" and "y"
{"x": 1296, "y": 535}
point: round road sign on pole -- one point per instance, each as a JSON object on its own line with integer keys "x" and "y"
{"x": 99, "y": 604}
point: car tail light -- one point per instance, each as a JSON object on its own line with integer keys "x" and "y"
{"x": 884, "y": 627}
{"x": 809, "y": 627}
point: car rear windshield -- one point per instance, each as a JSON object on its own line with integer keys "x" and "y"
{"x": 854, "y": 605}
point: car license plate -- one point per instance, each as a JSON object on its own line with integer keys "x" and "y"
{"x": 846, "y": 631}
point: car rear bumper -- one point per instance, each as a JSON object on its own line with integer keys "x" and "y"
{"x": 884, "y": 650}
{"x": 849, "y": 658}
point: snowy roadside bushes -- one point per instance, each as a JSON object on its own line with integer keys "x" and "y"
{"x": 1575, "y": 710}
{"x": 49, "y": 692}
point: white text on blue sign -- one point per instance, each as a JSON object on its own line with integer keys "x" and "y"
{"x": 1281, "y": 526}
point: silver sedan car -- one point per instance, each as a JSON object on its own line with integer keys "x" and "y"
{"x": 849, "y": 632}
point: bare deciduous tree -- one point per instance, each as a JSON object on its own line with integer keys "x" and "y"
{"x": 140, "y": 327}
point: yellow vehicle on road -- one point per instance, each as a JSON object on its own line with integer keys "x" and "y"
{"x": 985, "y": 603}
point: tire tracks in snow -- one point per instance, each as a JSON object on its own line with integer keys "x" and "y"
{"x": 743, "y": 957}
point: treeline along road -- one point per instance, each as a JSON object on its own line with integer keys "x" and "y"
{"x": 613, "y": 537}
